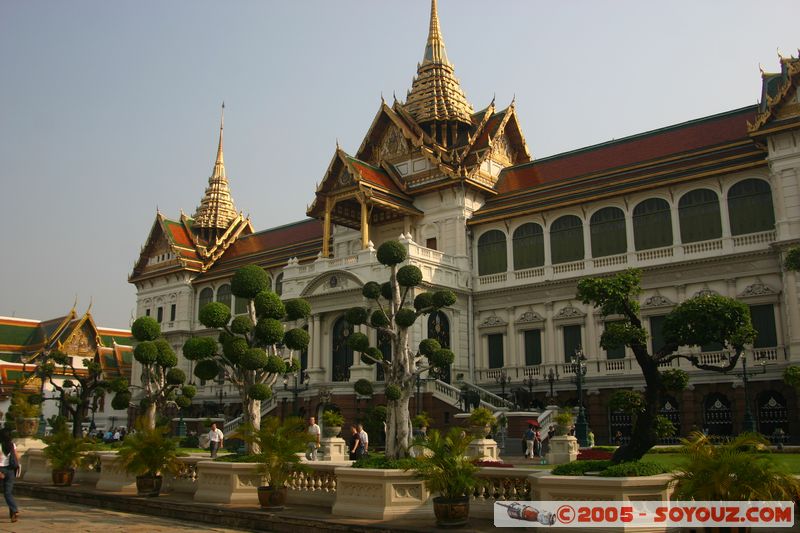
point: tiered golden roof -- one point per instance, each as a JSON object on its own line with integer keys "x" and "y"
{"x": 216, "y": 209}
{"x": 436, "y": 94}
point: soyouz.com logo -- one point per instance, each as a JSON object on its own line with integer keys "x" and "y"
{"x": 572, "y": 514}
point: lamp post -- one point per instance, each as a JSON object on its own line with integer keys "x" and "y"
{"x": 529, "y": 382}
{"x": 296, "y": 388}
{"x": 749, "y": 423}
{"x": 581, "y": 426}
{"x": 552, "y": 377}
{"x": 502, "y": 379}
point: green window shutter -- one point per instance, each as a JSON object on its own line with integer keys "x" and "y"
{"x": 572, "y": 341}
{"x": 698, "y": 211}
{"x": 241, "y": 305}
{"x": 206, "y": 296}
{"x": 652, "y": 224}
{"x": 657, "y": 332}
{"x": 750, "y": 207}
{"x": 492, "y": 257}
{"x": 607, "y": 228}
{"x": 533, "y": 347}
{"x": 528, "y": 246}
{"x": 763, "y": 317}
{"x": 566, "y": 240}
{"x": 615, "y": 353}
{"x": 495, "y": 350}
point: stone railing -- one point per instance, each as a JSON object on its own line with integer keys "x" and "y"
{"x": 314, "y": 486}
{"x": 499, "y": 485}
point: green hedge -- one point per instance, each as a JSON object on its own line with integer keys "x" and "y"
{"x": 579, "y": 468}
{"x": 633, "y": 469}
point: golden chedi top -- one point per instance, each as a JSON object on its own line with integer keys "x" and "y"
{"x": 436, "y": 94}
{"x": 216, "y": 209}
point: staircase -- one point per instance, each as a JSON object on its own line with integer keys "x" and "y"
{"x": 453, "y": 395}
{"x": 234, "y": 424}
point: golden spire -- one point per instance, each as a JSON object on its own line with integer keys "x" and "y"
{"x": 216, "y": 208}
{"x": 436, "y": 94}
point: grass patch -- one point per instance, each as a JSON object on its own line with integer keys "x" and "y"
{"x": 380, "y": 461}
{"x": 633, "y": 469}
{"x": 237, "y": 458}
{"x": 788, "y": 462}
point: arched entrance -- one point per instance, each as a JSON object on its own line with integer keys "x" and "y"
{"x": 342, "y": 354}
{"x": 717, "y": 415}
{"x": 773, "y": 414}
{"x": 671, "y": 411}
{"x": 439, "y": 329}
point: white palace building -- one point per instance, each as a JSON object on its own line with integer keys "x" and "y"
{"x": 706, "y": 206}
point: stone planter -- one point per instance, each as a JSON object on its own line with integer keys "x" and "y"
{"x": 380, "y": 494}
{"x": 228, "y": 482}
{"x": 35, "y": 467}
{"x": 112, "y": 477}
{"x": 331, "y": 431}
{"x": 562, "y": 449}
{"x": 27, "y": 427}
{"x": 333, "y": 449}
{"x": 483, "y": 449}
{"x": 87, "y": 477}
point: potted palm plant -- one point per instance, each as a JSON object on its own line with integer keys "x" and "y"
{"x": 332, "y": 422}
{"x": 447, "y": 472}
{"x": 563, "y": 422}
{"x": 280, "y": 445}
{"x": 147, "y": 453}
{"x": 24, "y": 412}
{"x": 65, "y": 453}
{"x": 480, "y": 421}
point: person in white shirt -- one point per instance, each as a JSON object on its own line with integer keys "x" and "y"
{"x": 313, "y": 442}
{"x": 215, "y": 438}
{"x": 364, "y": 438}
{"x": 9, "y": 470}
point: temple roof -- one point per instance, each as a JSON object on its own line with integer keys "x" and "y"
{"x": 436, "y": 93}
{"x": 216, "y": 210}
{"x": 706, "y": 146}
{"x": 779, "y": 108}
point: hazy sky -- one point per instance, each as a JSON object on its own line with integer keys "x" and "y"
{"x": 109, "y": 109}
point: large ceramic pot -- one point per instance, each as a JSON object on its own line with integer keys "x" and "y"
{"x": 27, "y": 427}
{"x": 148, "y": 485}
{"x": 63, "y": 478}
{"x": 272, "y": 499}
{"x": 479, "y": 432}
{"x": 451, "y": 513}
{"x": 331, "y": 431}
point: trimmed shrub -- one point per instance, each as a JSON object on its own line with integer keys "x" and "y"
{"x": 269, "y": 331}
{"x": 633, "y": 469}
{"x": 146, "y": 352}
{"x": 259, "y": 391}
{"x": 234, "y": 349}
{"x": 358, "y": 341}
{"x": 405, "y": 317}
{"x": 269, "y": 305}
{"x": 393, "y": 392}
{"x": 145, "y": 328}
{"x": 442, "y": 358}
{"x": 424, "y": 300}
{"x": 296, "y": 339}
{"x": 253, "y": 359}
{"x": 166, "y": 355}
{"x": 206, "y": 369}
{"x": 249, "y": 281}
{"x": 356, "y": 315}
{"x": 378, "y": 319}
{"x": 409, "y": 276}
{"x": 198, "y": 348}
{"x": 391, "y": 253}
{"x": 444, "y": 298}
{"x": 579, "y": 468}
{"x": 175, "y": 376}
{"x": 242, "y": 324}
{"x": 371, "y": 290}
{"x": 297, "y": 308}
{"x": 428, "y": 347}
{"x": 275, "y": 365}
{"x": 363, "y": 387}
{"x": 215, "y": 315}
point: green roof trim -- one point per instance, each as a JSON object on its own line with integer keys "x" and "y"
{"x": 20, "y": 335}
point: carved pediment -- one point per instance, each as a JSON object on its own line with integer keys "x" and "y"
{"x": 757, "y": 289}
{"x": 493, "y": 321}
{"x": 81, "y": 343}
{"x": 393, "y": 145}
{"x": 706, "y": 292}
{"x": 658, "y": 301}
{"x": 569, "y": 312}
{"x": 331, "y": 282}
{"x": 530, "y": 316}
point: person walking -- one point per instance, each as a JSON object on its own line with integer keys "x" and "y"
{"x": 313, "y": 439}
{"x": 215, "y": 439}
{"x": 9, "y": 469}
{"x": 530, "y": 436}
{"x": 364, "y": 438}
{"x": 354, "y": 447}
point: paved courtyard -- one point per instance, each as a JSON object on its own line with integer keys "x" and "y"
{"x": 49, "y": 516}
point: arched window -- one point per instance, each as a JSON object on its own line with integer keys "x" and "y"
{"x": 566, "y": 239}
{"x": 750, "y": 207}
{"x": 206, "y": 297}
{"x": 492, "y": 253}
{"x": 342, "y": 353}
{"x": 607, "y": 228}
{"x": 528, "y": 246}
{"x": 224, "y": 295}
{"x": 279, "y": 284}
{"x": 698, "y": 211}
{"x": 652, "y": 224}
{"x": 439, "y": 329}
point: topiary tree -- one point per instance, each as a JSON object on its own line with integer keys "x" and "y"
{"x": 162, "y": 382}
{"x": 698, "y": 321}
{"x": 248, "y": 350}
{"x": 81, "y": 390}
{"x": 390, "y": 315}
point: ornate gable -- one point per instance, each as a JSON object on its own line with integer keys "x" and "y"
{"x": 779, "y": 107}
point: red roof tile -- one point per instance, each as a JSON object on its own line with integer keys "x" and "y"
{"x": 178, "y": 233}
{"x": 374, "y": 175}
{"x": 657, "y": 144}
{"x": 279, "y": 237}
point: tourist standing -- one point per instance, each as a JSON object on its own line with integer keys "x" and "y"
{"x": 355, "y": 450}
{"x": 9, "y": 468}
{"x": 313, "y": 439}
{"x": 364, "y": 438}
{"x": 215, "y": 439}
